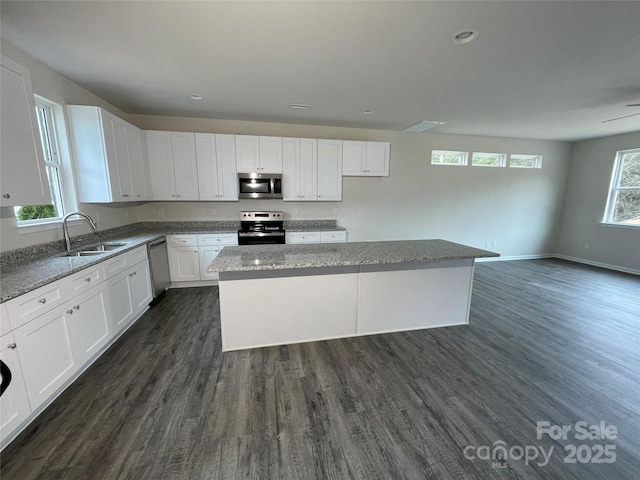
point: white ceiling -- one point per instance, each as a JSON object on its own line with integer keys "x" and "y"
{"x": 551, "y": 70}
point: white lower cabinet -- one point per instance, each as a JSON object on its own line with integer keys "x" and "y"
{"x": 190, "y": 255}
{"x": 129, "y": 294}
{"x": 316, "y": 237}
{"x": 46, "y": 354}
{"x": 14, "y": 404}
{"x": 88, "y": 323}
{"x": 58, "y": 330}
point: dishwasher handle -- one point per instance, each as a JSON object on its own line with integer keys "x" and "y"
{"x": 157, "y": 243}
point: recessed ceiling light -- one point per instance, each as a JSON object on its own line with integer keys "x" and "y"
{"x": 300, "y": 106}
{"x": 195, "y": 96}
{"x": 422, "y": 126}
{"x": 368, "y": 111}
{"x": 465, "y": 36}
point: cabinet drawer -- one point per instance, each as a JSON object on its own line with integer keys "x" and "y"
{"x": 30, "y": 305}
{"x": 182, "y": 240}
{"x": 303, "y": 237}
{"x": 333, "y": 237}
{"x": 127, "y": 259}
{"x": 83, "y": 280}
{"x": 223, "y": 239}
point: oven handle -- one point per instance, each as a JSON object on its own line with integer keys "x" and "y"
{"x": 261, "y": 234}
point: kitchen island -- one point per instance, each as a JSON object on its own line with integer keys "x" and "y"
{"x": 282, "y": 294}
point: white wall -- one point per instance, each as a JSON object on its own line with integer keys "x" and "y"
{"x": 586, "y": 196}
{"x": 53, "y": 86}
{"x": 517, "y": 208}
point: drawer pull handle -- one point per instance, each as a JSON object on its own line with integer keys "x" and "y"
{"x": 12, "y": 346}
{"x": 77, "y": 307}
{"x": 43, "y": 300}
{"x": 6, "y": 195}
{"x": 88, "y": 279}
{"x": 70, "y": 312}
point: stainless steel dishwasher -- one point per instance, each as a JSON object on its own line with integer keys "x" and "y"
{"x": 159, "y": 265}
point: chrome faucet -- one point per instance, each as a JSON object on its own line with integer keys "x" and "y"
{"x": 65, "y": 227}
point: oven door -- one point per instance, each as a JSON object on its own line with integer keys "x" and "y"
{"x": 260, "y": 238}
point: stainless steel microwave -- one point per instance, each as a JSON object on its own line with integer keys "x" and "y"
{"x": 259, "y": 185}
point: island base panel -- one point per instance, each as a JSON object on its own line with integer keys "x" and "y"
{"x": 261, "y": 312}
{"x": 414, "y": 297}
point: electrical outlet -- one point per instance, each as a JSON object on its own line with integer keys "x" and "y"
{"x": 359, "y": 211}
{"x": 494, "y": 244}
{"x": 213, "y": 212}
{"x": 487, "y": 244}
{"x": 98, "y": 217}
{"x": 160, "y": 212}
{"x": 587, "y": 246}
{"x": 295, "y": 211}
{"x": 126, "y": 213}
{"x": 334, "y": 211}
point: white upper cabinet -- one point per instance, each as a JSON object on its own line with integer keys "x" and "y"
{"x": 110, "y": 166}
{"x": 300, "y": 169}
{"x": 172, "y": 165}
{"x": 370, "y": 159}
{"x": 258, "y": 154}
{"x": 23, "y": 177}
{"x": 216, "y": 157}
{"x": 330, "y": 170}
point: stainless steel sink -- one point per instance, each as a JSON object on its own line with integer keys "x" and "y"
{"x": 98, "y": 249}
{"x": 103, "y": 247}
{"x": 87, "y": 253}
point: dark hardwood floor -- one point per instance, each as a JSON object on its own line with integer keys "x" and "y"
{"x": 548, "y": 341}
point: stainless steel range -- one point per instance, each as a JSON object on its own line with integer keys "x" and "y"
{"x": 260, "y": 228}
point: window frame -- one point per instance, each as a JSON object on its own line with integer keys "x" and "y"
{"x": 614, "y": 188}
{"x": 57, "y": 163}
{"x": 502, "y": 159}
{"x": 465, "y": 158}
{"x": 536, "y": 158}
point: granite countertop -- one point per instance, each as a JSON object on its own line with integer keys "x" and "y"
{"x": 33, "y": 267}
{"x": 279, "y": 257}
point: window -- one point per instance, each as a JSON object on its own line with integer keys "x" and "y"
{"x": 623, "y": 205}
{"x": 480, "y": 159}
{"x": 445, "y": 157}
{"x": 525, "y": 161}
{"x": 31, "y": 214}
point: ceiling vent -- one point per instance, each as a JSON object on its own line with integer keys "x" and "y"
{"x": 422, "y": 126}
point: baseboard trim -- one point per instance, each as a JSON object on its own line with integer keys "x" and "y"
{"x": 563, "y": 257}
{"x": 608, "y": 266}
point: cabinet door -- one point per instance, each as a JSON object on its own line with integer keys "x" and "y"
{"x": 354, "y": 157}
{"x": 45, "y": 354}
{"x": 140, "y": 284}
{"x": 23, "y": 177}
{"x": 308, "y": 169}
{"x": 123, "y": 188}
{"x": 137, "y": 163}
{"x": 207, "y": 166}
{"x": 227, "y": 172}
{"x": 160, "y": 158}
{"x": 14, "y": 404}
{"x": 329, "y": 170}
{"x": 270, "y": 155}
{"x": 247, "y": 153}
{"x": 207, "y": 254}
{"x": 290, "y": 169}
{"x": 88, "y": 323}
{"x": 377, "y": 159}
{"x": 184, "y": 165}
{"x": 120, "y": 301}
{"x": 184, "y": 264}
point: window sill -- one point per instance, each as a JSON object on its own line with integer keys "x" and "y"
{"x": 43, "y": 226}
{"x": 620, "y": 225}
